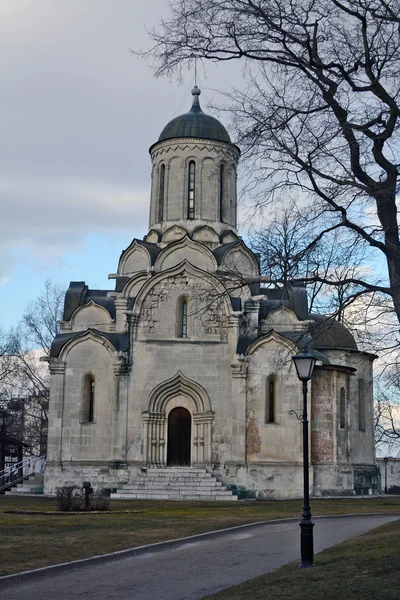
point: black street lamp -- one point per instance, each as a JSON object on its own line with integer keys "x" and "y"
{"x": 386, "y": 462}
{"x": 305, "y": 363}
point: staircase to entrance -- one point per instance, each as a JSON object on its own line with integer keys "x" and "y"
{"x": 34, "y": 484}
{"x": 174, "y": 483}
{"x": 25, "y": 477}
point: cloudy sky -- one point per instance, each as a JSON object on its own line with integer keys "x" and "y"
{"x": 77, "y": 115}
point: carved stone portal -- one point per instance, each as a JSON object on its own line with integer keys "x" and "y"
{"x": 178, "y": 392}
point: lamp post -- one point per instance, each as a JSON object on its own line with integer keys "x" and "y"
{"x": 386, "y": 462}
{"x": 305, "y": 363}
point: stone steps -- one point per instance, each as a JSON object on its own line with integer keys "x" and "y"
{"x": 32, "y": 485}
{"x": 179, "y": 497}
{"x": 156, "y": 473}
{"x": 174, "y": 483}
{"x": 159, "y": 483}
{"x": 174, "y": 490}
{"x": 163, "y": 478}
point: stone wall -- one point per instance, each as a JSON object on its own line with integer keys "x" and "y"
{"x": 280, "y": 440}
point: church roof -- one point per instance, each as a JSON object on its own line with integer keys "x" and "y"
{"x": 292, "y": 297}
{"x": 323, "y": 332}
{"x": 300, "y": 339}
{"x": 120, "y": 341}
{"x": 195, "y": 124}
{"x": 79, "y": 294}
{"x": 220, "y": 252}
{"x": 329, "y": 333}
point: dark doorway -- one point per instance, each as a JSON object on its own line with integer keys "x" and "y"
{"x": 179, "y": 430}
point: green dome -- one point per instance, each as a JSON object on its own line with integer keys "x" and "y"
{"x": 195, "y": 124}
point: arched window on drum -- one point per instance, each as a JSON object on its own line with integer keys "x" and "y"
{"x": 221, "y": 192}
{"x": 161, "y": 194}
{"x": 191, "y": 189}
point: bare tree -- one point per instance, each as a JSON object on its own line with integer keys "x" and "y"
{"x": 387, "y": 418}
{"x": 5, "y": 356}
{"x": 32, "y": 338}
{"x": 320, "y": 111}
{"x": 290, "y": 251}
{"x": 26, "y": 386}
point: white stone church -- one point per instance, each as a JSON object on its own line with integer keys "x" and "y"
{"x": 181, "y": 376}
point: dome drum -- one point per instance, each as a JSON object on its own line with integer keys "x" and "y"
{"x": 194, "y": 173}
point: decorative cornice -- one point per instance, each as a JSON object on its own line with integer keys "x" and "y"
{"x": 220, "y": 148}
{"x": 56, "y": 367}
{"x": 239, "y": 370}
{"x": 121, "y": 369}
{"x": 121, "y": 303}
{"x": 233, "y": 320}
{"x": 205, "y": 417}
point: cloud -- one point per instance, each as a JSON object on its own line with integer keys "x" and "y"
{"x": 79, "y": 113}
{"x": 4, "y": 279}
{"x": 44, "y": 218}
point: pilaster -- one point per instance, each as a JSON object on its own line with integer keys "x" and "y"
{"x": 121, "y": 305}
{"x": 56, "y": 410}
{"x": 239, "y": 372}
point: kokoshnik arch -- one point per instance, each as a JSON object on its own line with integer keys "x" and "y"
{"x": 184, "y": 366}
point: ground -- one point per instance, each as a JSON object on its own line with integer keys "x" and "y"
{"x": 34, "y": 540}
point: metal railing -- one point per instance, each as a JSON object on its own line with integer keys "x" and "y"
{"x": 17, "y": 472}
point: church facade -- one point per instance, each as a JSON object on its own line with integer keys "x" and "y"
{"x": 186, "y": 363}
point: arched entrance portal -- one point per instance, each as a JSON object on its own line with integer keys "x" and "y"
{"x": 177, "y": 425}
{"x": 179, "y": 437}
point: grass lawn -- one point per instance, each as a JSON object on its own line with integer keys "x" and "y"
{"x": 29, "y": 541}
{"x": 366, "y": 567}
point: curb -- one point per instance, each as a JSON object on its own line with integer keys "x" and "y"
{"x": 44, "y": 572}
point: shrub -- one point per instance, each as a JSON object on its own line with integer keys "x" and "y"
{"x": 101, "y": 499}
{"x": 69, "y": 498}
{"x": 72, "y": 498}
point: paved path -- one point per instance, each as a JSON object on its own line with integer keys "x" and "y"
{"x": 198, "y": 568}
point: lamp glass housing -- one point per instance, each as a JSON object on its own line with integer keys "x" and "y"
{"x": 304, "y": 363}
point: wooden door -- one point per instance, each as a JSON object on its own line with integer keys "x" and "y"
{"x": 179, "y": 437}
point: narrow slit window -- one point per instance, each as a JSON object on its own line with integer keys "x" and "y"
{"x": 361, "y": 405}
{"x": 88, "y": 399}
{"x": 191, "y": 189}
{"x": 221, "y": 193}
{"x": 161, "y": 194}
{"x": 270, "y": 405}
{"x": 342, "y": 409}
{"x": 182, "y": 318}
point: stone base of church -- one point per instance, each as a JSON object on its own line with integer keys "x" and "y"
{"x": 333, "y": 480}
{"x": 101, "y": 475}
{"x": 261, "y": 479}
{"x": 285, "y": 480}
{"x": 247, "y": 480}
{"x": 345, "y": 480}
